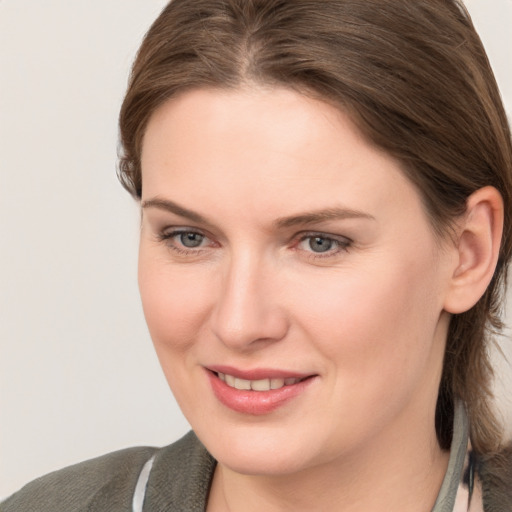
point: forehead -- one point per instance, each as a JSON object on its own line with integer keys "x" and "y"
{"x": 271, "y": 146}
{"x": 280, "y": 118}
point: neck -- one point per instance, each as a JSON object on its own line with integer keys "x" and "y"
{"x": 401, "y": 471}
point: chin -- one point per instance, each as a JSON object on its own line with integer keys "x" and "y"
{"x": 256, "y": 463}
{"x": 259, "y": 451}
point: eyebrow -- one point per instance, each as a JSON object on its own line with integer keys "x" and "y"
{"x": 321, "y": 216}
{"x": 172, "y": 207}
{"x": 282, "y": 222}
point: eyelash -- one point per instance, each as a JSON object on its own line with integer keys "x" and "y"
{"x": 168, "y": 236}
{"x": 342, "y": 244}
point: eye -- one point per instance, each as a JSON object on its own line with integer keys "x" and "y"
{"x": 184, "y": 240}
{"x": 319, "y": 244}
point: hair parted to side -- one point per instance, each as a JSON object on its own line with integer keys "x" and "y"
{"x": 412, "y": 75}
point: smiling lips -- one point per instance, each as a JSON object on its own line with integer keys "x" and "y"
{"x": 252, "y": 392}
{"x": 257, "y": 385}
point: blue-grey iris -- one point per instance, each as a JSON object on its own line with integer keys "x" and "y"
{"x": 319, "y": 244}
{"x": 190, "y": 239}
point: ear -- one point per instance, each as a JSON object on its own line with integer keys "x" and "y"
{"x": 478, "y": 245}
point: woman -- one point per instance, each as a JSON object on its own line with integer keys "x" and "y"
{"x": 325, "y": 191}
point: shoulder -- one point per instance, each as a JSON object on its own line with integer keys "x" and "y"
{"x": 180, "y": 477}
{"x": 495, "y": 473}
{"x": 84, "y": 486}
{"x": 107, "y": 482}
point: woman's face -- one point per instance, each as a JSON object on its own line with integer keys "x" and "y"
{"x": 283, "y": 253}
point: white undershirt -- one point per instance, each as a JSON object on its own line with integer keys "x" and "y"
{"x": 140, "y": 488}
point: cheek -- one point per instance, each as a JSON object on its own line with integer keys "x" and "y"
{"x": 378, "y": 323}
{"x": 175, "y": 308}
{"x": 174, "y": 302}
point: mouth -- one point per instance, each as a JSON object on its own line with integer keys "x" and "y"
{"x": 256, "y": 392}
{"x": 259, "y": 384}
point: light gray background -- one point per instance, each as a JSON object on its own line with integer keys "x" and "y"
{"x": 78, "y": 376}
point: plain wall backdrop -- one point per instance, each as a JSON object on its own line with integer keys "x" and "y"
{"x": 78, "y": 376}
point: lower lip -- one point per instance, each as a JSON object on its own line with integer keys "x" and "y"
{"x": 255, "y": 402}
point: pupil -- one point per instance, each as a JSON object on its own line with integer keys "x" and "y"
{"x": 319, "y": 244}
{"x": 191, "y": 239}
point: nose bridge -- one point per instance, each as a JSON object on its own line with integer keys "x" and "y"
{"x": 248, "y": 309}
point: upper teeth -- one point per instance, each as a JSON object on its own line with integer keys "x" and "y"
{"x": 256, "y": 385}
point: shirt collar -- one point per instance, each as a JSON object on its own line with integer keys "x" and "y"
{"x": 460, "y": 490}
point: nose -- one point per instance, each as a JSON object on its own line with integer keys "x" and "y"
{"x": 249, "y": 311}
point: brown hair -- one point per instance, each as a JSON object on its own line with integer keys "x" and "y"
{"x": 413, "y": 76}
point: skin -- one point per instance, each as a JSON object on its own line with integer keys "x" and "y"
{"x": 368, "y": 317}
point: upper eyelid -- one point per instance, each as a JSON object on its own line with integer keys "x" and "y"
{"x": 307, "y": 234}
{"x": 185, "y": 229}
{"x": 170, "y": 231}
